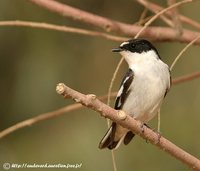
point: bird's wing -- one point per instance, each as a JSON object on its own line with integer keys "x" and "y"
{"x": 169, "y": 85}
{"x": 116, "y": 133}
{"x": 124, "y": 89}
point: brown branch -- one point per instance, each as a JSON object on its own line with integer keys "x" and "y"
{"x": 160, "y": 13}
{"x": 182, "y": 51}
{"x": 61, "y": 28}
{"x": 156, "y": 8}
{"x": 186, "y": 78}
{"x": 127, "y": 121}
{"x": 39, "y": 118}
{"x": 153, "y": 33}
{"x": 61, "y": 111}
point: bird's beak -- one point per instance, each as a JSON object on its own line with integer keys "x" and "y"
{"x": 117, "y": 49}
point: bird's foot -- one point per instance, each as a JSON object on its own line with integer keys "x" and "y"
{"x": 158, "y": 136}
{"x": 157, "y": 132}
{"x": 142, "y": 129}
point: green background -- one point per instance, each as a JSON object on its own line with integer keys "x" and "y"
{"x": 33, "y": 61}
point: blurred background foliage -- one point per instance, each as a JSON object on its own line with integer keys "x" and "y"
{"x": 33, "y": 61}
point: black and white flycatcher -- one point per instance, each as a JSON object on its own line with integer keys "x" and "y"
{"x": 142, "y": 90}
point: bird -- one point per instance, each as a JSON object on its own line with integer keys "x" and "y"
{"x": 142, "y": 89}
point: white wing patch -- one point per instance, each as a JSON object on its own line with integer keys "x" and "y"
{"x": 122, "y": 87}
{"x": 121, "y": 90}
{"x": 122, "y": 93}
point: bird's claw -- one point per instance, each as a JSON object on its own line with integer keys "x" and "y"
{"x": 142, "y": 129}
{"x": 158, "y": 137}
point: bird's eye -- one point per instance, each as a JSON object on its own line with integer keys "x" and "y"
{"x": 133, "y": 45}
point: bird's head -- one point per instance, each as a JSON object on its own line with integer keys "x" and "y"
{"x": 137, "y": 49}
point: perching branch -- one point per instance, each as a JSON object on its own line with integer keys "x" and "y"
{"x": 126, "y": 121}
{"x": 69, "y": 108}
{"x": 152, "y": 33}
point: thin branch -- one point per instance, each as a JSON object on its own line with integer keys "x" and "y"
{"x": 142, "y": 16}
{"x": 167, "y": 20}
{"x": 45, "y": 116}
{"x": 113, "y": 160}
{"x": 113, "y": 79}
{"x": 186, "y": 78}
{"x": 160, "y": 13}
{"x": 140, "y": 23}
{"x": 183, "y": 50}
{"x": 90, "y": 101}
{"x": 143, "y": 20}
{"x": 159, "y": 121}
{"x": 153, "y": 33}
{"x": 61, "y": 28}
{"x": 156, "y": 8}
{"x": 39, "y": 118}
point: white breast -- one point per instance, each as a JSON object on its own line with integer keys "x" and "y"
{"x": 151, "y": 80}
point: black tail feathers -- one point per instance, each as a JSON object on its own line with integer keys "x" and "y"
{"x": 108, "y": 139}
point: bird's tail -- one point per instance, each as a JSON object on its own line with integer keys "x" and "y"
{"x": 114, "y": 136}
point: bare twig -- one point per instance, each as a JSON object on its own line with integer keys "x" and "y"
{"x": 39, "y": 118}
{"x": 153, "y": 33}
{"x": 113, "y": 79}
{"x": 156, "y": 8}
{"x": 61, "y": 28}
{"x": 127, "y": 121}
{"x": 45, "y": 116}
{"x": 143, "y": 20}
{"x": 159, "y": 121}
{"x": 61, "y": 111}
{"x": 160, "y": 13}
{"x": 167, "y": 20}
{"x": 186, "y": 78}
{"x": 183, "y": 50}
{"x": 114, "y": 160}
{"x": 142, "y": 16}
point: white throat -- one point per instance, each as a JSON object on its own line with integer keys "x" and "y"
{"x": 139, "y": 58}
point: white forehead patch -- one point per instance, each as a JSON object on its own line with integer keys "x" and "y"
{"x": 124, "y": 43}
